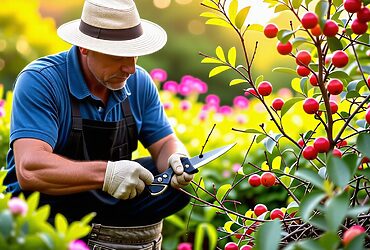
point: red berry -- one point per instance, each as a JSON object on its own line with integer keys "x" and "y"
{"x": 184, "y": 246}
{"x": 310, "y": 106}
{"x": 309, "y": 20}
{"x": 316, "y": 31}
{"x": 264, "y": 88}
{"x": 303, "y": 57}
{"x": 259, "y": 209}
{"x": 276, "y": 214}
{"x": 341, "y": 143}
{"x": 339, "y": 59}
{"x": 303, "y": 70}
{"x": 330, "y": 28}
{"x": 313, "y": 80}
{"x": 301, "y": 143}
{"x": 246, "y": 247}
{"x": 231, "y": 246}
{"x": 352, "y": 6}
{"x": 309, "y": 153}
{"x": 254, "y": 180}
{"x": 284, "y": 48}
{"x": 337, "y": 153}
{"x": 270, "y": 30}
{"x": 321, "y": 144}
{"x": 367, "y": 116}
{"x": 351, "y": 233}
{"x": 268, "y": 179}
{"x": 363, "y": 15}
{"x": 358, "y": 27}
{"x": 368, "y": 81}
{"x": 250, "y": 91}
{"x": 333, "y": 107}
{"x": 335, "y": 87}
{"x": 277, "y": 103}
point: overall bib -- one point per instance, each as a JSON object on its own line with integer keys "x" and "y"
{"x": 119, "y": 222}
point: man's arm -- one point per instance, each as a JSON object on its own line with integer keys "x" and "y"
{"x": 39, "y": 169}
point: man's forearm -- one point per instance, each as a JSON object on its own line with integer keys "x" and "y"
{"x": 52, "y": 174}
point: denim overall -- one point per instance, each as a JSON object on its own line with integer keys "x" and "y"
{"x": 119, "y": 224}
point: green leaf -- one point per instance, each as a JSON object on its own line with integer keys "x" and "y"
{"x": 210, "y": 4}
{"x": 284, "y": 70}
{"x": 258, "y": 80}
{"x": 311, "y": 176}
{"x": 231, "y": 55}
{"x": 221, "y": 192}
{"x": 252, "y": 131}
{"x": 43, "y": 213}
{"x": 218, "y": 70}
{"x": 219, "y": 22}
{"x": 77, "y": 230}
{"x": 269, "y": 230}
{"x": 309, "y": 203}
{"x": 260, "y": 138}
{"x": 363, "y": 142}
{"x": 334, "y": 44}
{"x": 210, "y": 15}
{"x": 61, "y": 223}
{"x": 330, "y": 240}
{"x": 212, "y": 236}
{"x": 319, "y": 222}
{"x": 233, "y": 8}
{"x": 176, "y": 221}
{"x": 297, "y": 3}
{"x": 285, "y": 35}
{"x": 33, "y": 202}
{"x": 237, "y": 81}
{"x": 241, "y": 16}
{"x": 337, "y": 3}
{"x": 340, "y": 75}
{"x": 321, "y": 9}
{"x": 211, "y": 60}
{"x": 355, "y": 211}
{"x": 269, "y": 144}
{"x": 298, "y": 41}
{"x": 305, "y": 244}
{"x": 341, "y": 170}
{"x": 292, "y": 207}
{"x": 6, "y": 222}
{"x": 303, "y": 85}
{"x": 255, "y": 27}
{"x": 220, "y": 54}
{"x": 199, "y": 238}
{"x": 289, "y": 104}
{"x": 280, "y": 8}
{"x": 336, "y": 210}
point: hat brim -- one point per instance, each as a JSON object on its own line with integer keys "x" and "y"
{"x": 153, "y": 39}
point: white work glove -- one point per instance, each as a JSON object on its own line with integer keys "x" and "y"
{"x": 180, "y": 179}
{"x": 126, "y": 179}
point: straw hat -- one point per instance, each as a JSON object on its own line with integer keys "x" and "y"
{"x": 113, "y": 27}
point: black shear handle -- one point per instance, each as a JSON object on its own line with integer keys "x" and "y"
{"x": 163, "y": 180}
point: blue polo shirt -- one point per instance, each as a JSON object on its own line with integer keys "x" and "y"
{"x": 42, "y": 107}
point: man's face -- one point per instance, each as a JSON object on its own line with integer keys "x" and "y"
{"x": 110, "y": 71}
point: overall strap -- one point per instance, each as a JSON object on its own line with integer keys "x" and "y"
{"x": 131, "y": 124}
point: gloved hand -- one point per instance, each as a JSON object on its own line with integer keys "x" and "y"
{"x": 180, "y": 179}
{"x": 126, "y": 179}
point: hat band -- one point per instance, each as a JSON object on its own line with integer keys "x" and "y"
{"x": 111, "y": 34}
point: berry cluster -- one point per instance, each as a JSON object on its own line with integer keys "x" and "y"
{"x": 267, "y": 179}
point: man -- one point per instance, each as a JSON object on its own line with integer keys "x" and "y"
{"x": 77, "y": 117}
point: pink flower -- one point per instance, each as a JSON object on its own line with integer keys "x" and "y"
{"x": 225, "y": 110}
{"x": 17, "y": 206}
{"x": 241, "y": 102}
{"x": 78, "y": 245}
{"x": 167, "y": 105}
{"x": 170, "y": 86}
{"x": 2, "y": 103}
{"x": 185, "y": 246}
{"x": 184, "y": 89}
{"x": 226, "y": 174}
{"x": 2, "y": 112}
{"x": 284, "y": 93}
{"x": 185, "y": 105}
{"x": 158, "y": 75}
{"x": 203, "y": 115}
{"x": 236, "y": 167}
{"x": 212, "y": 100}
{"x": 241, "y": 119}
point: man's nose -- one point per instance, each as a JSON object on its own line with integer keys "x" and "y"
{"x": 128, "y": 65}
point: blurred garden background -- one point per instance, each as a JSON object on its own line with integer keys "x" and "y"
{"x": 28, "y": 31}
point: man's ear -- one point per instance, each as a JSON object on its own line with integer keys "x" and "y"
{"x": 83, "y": 51}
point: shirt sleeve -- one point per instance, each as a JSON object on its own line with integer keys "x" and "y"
{"x": 155, "y": 124}
{"x": 34, "y": 111}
